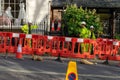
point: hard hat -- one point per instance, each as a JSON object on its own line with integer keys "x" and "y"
{"x": 29, "y": 21}
{"x": 92, "y": 27}
{"x": 83, "y": 22}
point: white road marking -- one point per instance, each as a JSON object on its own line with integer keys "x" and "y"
{"x": 6, "y": 69}
{"x": 99, "y": 76}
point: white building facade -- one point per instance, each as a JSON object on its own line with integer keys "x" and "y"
{"x": 23, "y": 11}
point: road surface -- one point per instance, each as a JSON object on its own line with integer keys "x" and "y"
{"x": 48, "y": 69}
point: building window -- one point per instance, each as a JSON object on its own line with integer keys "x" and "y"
{"x": 15, "y": 7}
{"x": 117, "y": 29}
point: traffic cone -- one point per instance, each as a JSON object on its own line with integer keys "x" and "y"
{"x": 19, "y": 51}
{"x": 59, "y": 26}
{"x": 52, "y": 29}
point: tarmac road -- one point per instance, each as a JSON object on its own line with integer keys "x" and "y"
{"x": 27, "y": 69}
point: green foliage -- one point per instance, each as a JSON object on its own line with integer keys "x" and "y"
{"x": 73, "y": 16}
{"x": 117, "y": 36}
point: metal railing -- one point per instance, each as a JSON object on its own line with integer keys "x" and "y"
{"x": 42, "y": 28}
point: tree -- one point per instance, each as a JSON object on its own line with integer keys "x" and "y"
{"x": 73, "y": 16}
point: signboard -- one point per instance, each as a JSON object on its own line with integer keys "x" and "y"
{"x": 72, "y": 71}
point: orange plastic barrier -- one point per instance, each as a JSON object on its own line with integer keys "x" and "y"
{"x": 83, "y": 48}
{"x": 67, "y": 47}
{"x": 54, "y": 45}
{"x": 64, "y": 47}
{"x": 51, "y": 45}
{"x": 27, "y": 43}
{"x": 103, "y": 47}
{"x": 113, "y": 48}
{"x": 12, "y": 42}
{"x": 47, "y": 43}
{"x": 71, "y": 47}
{"x": 2, "y": 42}
{"x": 38, "y": 44}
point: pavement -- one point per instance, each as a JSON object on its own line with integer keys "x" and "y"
{"x": 49, "y": 69}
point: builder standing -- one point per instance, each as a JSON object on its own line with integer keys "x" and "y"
{"x": 91, "y": 33}
{"x": 84, "y": 33}
{"x": 83, "y": 30}
{"x": 27, "y": 29}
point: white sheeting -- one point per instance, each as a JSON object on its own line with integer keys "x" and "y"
{"x": 37, "y": 10}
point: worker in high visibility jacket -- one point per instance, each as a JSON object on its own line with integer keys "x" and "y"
{"x": 28, "y": 27}
{"x": 91, "y": 33}
{"x": 84, "y": 47}
{"x": 83, "y": 34}
{"x": 83, "y": 30}
{"x": 91, "y": 36}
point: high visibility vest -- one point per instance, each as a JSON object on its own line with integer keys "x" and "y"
{"x": 91, "y": 35}
{"x": 83, "y": 32}
{"x": 25, "y": 28}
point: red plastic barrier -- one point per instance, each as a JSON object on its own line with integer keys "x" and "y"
{"x": 71, "y": 47}
{"x": 27, "y": 43}
{"x": 60, "y": 46}
{"x": 38, "y": 44}
{"x": 2, "y": 42}
{"x": 47, "y": 43}
{"x": 64, "y": 47}
{"x": 12, "y": 42}
{"x": 54, "y": 46}
{"x": 51, "y": 45}
{"x": 83, "y": 48}
{"x": 114, "y": 53}
{"x": 109, "y": 49}
{"x": 103, "y": 47}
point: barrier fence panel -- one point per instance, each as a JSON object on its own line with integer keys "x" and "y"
{"x": 34, "y": 43}
{"x": 60, "y": 46}
{"x": 113, "y": 54}
{"x": 82, "y": 48}
{"x": 39, "y": 44}
{"x": 65, "y": 45}
{"x": 2, "y": 43}
{"x": 27, "y": 43}
{"x": 48, "y": 44}
{"x": 55, "y": 46}
{"x": 12, "y": 42}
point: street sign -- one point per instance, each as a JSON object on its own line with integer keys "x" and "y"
{"x": 72, "y": 71}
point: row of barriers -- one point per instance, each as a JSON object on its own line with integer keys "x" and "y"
{"x": 60, "y": 46}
